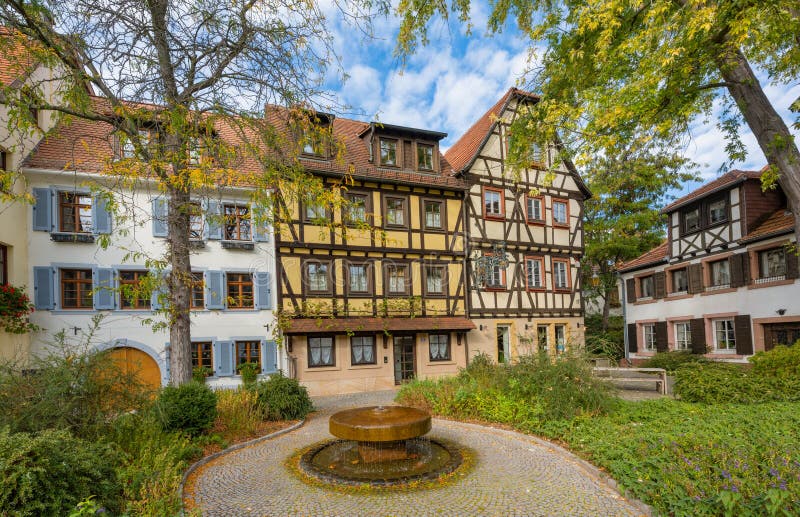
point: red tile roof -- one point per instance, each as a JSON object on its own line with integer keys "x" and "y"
{"x": 463, "y": 152}
{"x": 654, "y": 256}
{"x": 726, "y": 180}
{"x": 779, "y": 222}
{"x": 325, "y": 325}
{"x": 15, "y": 61}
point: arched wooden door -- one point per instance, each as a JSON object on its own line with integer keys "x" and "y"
{"x": 133, "y": 361}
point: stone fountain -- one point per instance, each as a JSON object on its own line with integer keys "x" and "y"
{"x": 380, "y": 445}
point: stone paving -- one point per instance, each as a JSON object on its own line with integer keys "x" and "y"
{"x": 514, "y": 474}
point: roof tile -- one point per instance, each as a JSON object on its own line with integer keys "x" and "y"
{"x": 726, "y": 180}
{"x": 779, "y": 222}
{"x": 654, "y": 256}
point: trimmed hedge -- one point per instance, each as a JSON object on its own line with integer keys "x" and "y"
{"x": 282, "y": 398}
{"x": 191, "y": 408}
{"x": 671, "y": 361}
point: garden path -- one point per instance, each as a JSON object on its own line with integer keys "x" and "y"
{"x": 514, "y": 474}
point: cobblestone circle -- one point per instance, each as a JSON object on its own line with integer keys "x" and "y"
{"x": 514, "y": 475}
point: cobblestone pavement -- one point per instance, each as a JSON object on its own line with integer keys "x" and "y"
{"x": 514, "y": 474}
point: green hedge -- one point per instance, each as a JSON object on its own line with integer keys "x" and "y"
{"x": 671, "y": 361}
{"x": 191, "y": 407}
{"x": 282, "y": 398}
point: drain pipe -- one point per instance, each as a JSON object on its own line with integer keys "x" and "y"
{"x": 623, "y": 299}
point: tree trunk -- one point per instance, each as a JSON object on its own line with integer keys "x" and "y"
{"x": 770, "y": 130}
{"x": 606, "y": 309}
{"x": 180, "y": 283}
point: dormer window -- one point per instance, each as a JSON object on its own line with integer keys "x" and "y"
{"x": 717, "y": 211}
{"x": 388, "y": 151}
{"x": 425, "y": 157}
{"x": 314, "y": 142}
{"x": 691, "y": 220}
{"x": 127, "y": 149}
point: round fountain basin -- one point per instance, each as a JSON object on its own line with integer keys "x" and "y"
{"x": 380, "y": 423}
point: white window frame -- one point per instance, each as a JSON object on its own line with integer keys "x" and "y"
{"x": 730, "y": 335}
{"x": 489, "y": 203}
{"x": 683, "y": 335}
{"x": 560, "y": 274}
{"x": 649, "y": 337}
{"x": 533, "y": 269}
{"x": 560, "y": 214}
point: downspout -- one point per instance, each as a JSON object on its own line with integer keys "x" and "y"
{"x": 623, "y": 300}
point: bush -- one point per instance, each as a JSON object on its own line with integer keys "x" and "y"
{"x": 249, "y": 373}
{"x": 671, "y": 361}
{"x": 49, "y": 473}
{"x": 282, "y": 398}
{"x": 191, "y": 408}
{"x": 200, "y": 373}
{"x": 781, "y": 362}
{"x": 719, "y": 383}
{"x": 238, "y": 412}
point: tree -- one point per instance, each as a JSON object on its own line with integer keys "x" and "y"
{"x": 623, "y": 217}
{"x": 613, "y": 70}
{"x": 185, "y": 70}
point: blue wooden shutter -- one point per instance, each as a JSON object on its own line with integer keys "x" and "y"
{"x": 213, "y": 221}
{"x": 44, "y": 280}
{"x": 259, "y": 222}
{"x": 269, "y": 357}
{"x": 160, "y": 217}
{"x": 43, "y": 209}
{"x": 104, "y": 295}
{"x": 263, "y": 290}
{"x": 101, "y": 216}
{"x": 223, "y": 358}
{"x": 160, "y": 290}
{"x": 215, "y": 289}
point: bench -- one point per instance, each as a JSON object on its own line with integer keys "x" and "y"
{"x": 649, "y": 376}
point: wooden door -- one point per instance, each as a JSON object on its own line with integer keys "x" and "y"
{"x": 781, "y": 334}
{"x": 503, "y": 344}
{"x": 133, "y": 361}
{"x": 404, "y": 364}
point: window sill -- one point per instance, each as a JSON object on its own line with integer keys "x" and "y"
{"x": 322, "y": 368}
{"x": 495, "y": 217}
{"x": 721, "y": 290}
{"x": 773, "y": 283}
{"x": 496, "y": 289}
{"x": 434, "y": 230}
{"x": 374, "y": 366}
{"x": 678, "y": 296}
{"x": 536, "y": 289}
{"x": 677, "y": 293}
{"x": 561, "y": 225}
{"x": 536, "y": 222}
{"x": 388, "y": 226}
{"x": 448, "y": 362}
{"x": 84, "y": 238}
{"x": 238, "y": 245}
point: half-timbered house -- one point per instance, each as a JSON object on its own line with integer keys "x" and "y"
{"x": 724, "y": 282}
{"x": 530, "y": 299}
{"x": 378, "y": 296}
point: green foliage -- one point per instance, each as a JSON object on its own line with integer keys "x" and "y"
{"x": 671, "y": 361}
{"x": 200, "y": 373}
{"x": 238, "y": 411}
{"x": 249, "y": 373}
{"x": 605, "y": 343}
{"x": 15, "y": 306}
{"x": 282, "y": 398}
{"x": 191, "y": 408}
{"x": 719, "y": 383}
{"x": 781, "y": 362}
{"x": 48, "y": 473}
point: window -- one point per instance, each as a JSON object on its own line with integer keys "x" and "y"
{"x": 439, "y": 347}
{"x": 433, "y": 214}
{"x": 541, "y": 338}
{"x": 193, "y": 150}
{"x": 395, "y": 211}
{"x": 649, "y": 337}
{"x": 362, "y": 350}
{"x": 195, "y": 222}
{"x": 772, "y": 264}
{"x": 3, "y": 265}
{"x": 202, "y": 356}
{"x": 75, "y": 212}
{"x": 132, "y": 295}
{"x": 237, "y": 223}
{"x": 691, "y": 220}
{"x": 127, "y": 149}
{"x": 533, "y": 273}
{"x": 492, "y": 203}
{"x": 720, "y": 273}
{"x": 314, "y": 139}
{"x": 425, "y": 157}
{"x": 313, "y": 210}
{"x": 561, "y": 338}
{"x": 248, "y": 352}
{"x": 680, "y": 281}
{"x": 534, "y": 213}
{"x": 317, "y": 277}
{"x": 320, "y": 351}
{"x": 497, "y": 277}
{"x": 240, "y": 290}
{"x": 356, "y": 208}
{"x": 560, "y": 213}
{"x": 388, "y": 151}
{"x": 646, "y": 286}
{"x": 4, "y": 161}
{"x": 561, "y": 274}
{"x": 683, "y": 335}
{"x": 717, "y": 211}
{"x": 724, "y": 336}
{"x": 397, "y": 279}
{"x": 358, "y": 278}
{"x": 76, "y": 289}
{"x": 198, "y": 299}
{"x": 435, "y": 280}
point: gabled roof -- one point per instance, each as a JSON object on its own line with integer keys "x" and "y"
{"x": 725, "y": 181}
{"x": 655, "y": 256}
{"x": 464, "y": 152}
{"x": 778, "y": 223}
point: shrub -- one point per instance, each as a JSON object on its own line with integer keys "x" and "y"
{"x": 191, "y": 407}
{"x": 718, "y": 383}
{"x": 249, "y": 373}
{"x": 49, "y": 473}
{"x": 671, "y": 361}
{"x": 238, "y": 412}
{"x": 282, "y": 398}
{"x": 200, "y": 373}
{"x": 781, "y": 362}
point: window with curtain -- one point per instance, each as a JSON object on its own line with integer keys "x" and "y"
{"x": 362, "y": 350}
{"x": 439, "y": 345}
{"x": 317, "y": 277}
{"x": 359, "y": 281}
{"x": 433, "y": 214}
{"x": 434, "y": 279}
{"x": 320, "y": 351}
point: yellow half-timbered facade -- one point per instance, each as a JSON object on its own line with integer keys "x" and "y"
{"x": 377, "y": 297}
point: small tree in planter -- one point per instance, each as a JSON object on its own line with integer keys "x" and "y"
{"x": 249, "y": 373}
{"x": 15, "y": 306}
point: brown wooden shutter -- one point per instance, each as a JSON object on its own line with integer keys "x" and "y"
{"x": 660, "y": 283}
{"x": 407, "y": 158}
{"x": 698, "y": 329}
{"x": 661, "y": 337}
{"x": 632, "y": 338}
{"x": 743, "y": 335}
{"x": 695, "y": 278}
{"x": 630, "y": 290}
{"x": 791, "y": 263}
{"x": 737, "y": 274}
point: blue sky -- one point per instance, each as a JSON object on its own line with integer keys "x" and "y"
{"x": 447, "y": 85}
